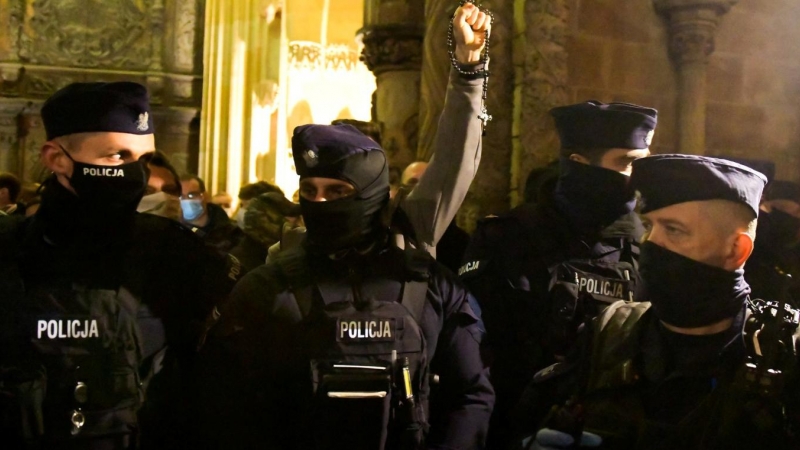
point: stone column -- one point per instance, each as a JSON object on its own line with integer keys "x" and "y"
{"x": 435, "y": 71}
{"x": 692, "y": 26}
{"x": 392, "y": 37}
{"x": 540, "y": 85}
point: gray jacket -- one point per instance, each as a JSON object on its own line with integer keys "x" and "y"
{"x": 434, "y": 202}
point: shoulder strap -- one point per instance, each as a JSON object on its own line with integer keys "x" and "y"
{"x": 611, "y": 343}
{"x": 292, "y": 265}
{"x": 414, "y": 298}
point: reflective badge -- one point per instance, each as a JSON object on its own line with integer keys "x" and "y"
{"x": 470, "y": 267}
{"x": 365, "y": 330}
{"x": 66, "y": 329}
{"x": 601, "y": 288}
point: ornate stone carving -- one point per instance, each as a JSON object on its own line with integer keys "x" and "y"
{"x": 435, "y": 70}
{"x": 157, "y": 33}
{"x": 15, "y": 14}
{"x": 692, "y": 25}
{"x": 186, "y": 24}
{"x": 489, "y": 191}
{"x": 312, "y": 55}
{"x": 85, "y": 33}
{"x": 392, "y": 47}
{"x": 688, "y": 45}
{"x": 41, "y": 85}
{"x": 544, "y": 81}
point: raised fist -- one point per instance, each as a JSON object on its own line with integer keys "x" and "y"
{"x": 471, "y": 27}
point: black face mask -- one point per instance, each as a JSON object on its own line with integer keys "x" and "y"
{"x": 109, "y": 188}
{"x": 592, "y": 197}
{"x": 338, "y": 225}
{"x": 687, "y": 293}
{"x": 780, "y": 229}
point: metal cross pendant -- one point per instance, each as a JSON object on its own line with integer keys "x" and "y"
{"x": 485, "y": 118}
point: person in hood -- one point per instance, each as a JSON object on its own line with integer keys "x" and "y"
{"x": 777, "y": 250}
{"x": 542, "y": 269}
{"x": 349, "y": 340}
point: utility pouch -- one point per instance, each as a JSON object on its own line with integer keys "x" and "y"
{"x": 22, "y": 393}
{"x": 353, "y": 404}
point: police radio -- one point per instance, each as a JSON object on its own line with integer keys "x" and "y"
{"x": 769, "y": 333}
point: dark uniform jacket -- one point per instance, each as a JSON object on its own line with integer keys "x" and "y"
{"x": 506, "y": 268}
{"x": 641, "y": 386}
{"x": 169, "y": 276}
{"x": 770, "y": 258}
{"x": 260, "y": 382}
{"x": 220, "y": 233}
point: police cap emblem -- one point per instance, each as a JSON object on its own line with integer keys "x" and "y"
{"x": 649, "y": 138}
{"x": 141, "y": 122}
{"x": 311, "y": 158}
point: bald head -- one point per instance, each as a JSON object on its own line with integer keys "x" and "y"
{"x": 413, "y": 173}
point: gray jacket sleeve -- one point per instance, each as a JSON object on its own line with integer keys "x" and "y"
{"x": 434, "y": 202}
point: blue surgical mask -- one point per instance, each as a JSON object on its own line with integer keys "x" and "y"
{"x": 192, "y": 208}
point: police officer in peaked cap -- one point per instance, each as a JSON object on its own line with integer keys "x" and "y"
{"x": 541, "y": 269}
{"x": 702, "y": 364}
{"x": 114, "y": 299}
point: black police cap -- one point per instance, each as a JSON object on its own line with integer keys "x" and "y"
{"x": 594, "y": 124}
{"x": 665, "y": 180}
{"x": 338, "y": 151}
{"x": 89, "y": 107}
{"x": 766, "y": 167}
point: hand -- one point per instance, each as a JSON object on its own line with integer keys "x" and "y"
{"x": 549, "y": 439}
{"x": 471, "y": 26}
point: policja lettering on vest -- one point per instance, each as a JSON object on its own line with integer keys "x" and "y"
{"x": 67, "y": 329}
{"x": 368, "y": 330}
{"x": 601, "y": 287}
{"x": 103, "y": 172}
{"x": 469, "y": 267}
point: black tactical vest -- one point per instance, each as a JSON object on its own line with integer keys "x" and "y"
{"x": 368, "y": 360}
{"x": 89, "y": 342}
{"x": 736, "y": 412}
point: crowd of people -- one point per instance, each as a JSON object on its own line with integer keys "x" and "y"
{"x": 634, "y": 301}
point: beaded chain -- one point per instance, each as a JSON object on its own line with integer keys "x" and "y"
{"x": 477, "y": 73}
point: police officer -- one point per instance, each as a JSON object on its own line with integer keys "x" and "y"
{"x": 538, "y": 270}
{"x": 335, "y": 344}
{"x": 777, "y": 244}
{"x": 699, "y": 366}
{"x": 114, "y": 299}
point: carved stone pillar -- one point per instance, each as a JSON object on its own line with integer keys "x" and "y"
{"x": 392, "y": 37}
{"x": 692, "y": 26}
{"x": 435, "y": 70}
{"x": 542, "y": 86}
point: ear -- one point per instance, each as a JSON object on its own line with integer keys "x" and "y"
{"x": 4, "y": 194}
{"x": 578, "y": 158}
{"x": 55, "y": 160}
{"x": 740, "y": 250}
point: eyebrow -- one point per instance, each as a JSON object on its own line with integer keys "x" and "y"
{"x": 672, "y": 222}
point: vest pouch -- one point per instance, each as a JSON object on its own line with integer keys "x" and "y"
{"x": 579, "y": 291}
{"x": 352, "y": 407}
{"x": 22, "y": 392}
